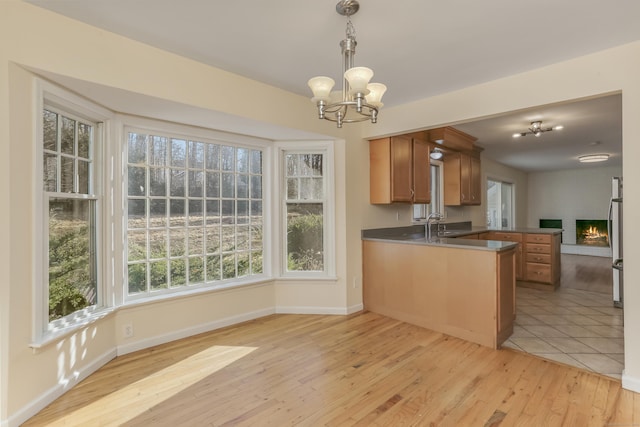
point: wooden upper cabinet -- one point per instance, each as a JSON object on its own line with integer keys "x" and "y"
{"x": 421, "y": 172}
{"x": 399, "y": 170}
{"x": 462, "y": 179}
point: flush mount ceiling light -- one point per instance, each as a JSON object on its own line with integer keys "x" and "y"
{"x": 359, "y": 100}
{"x": 536, "y": 129}
{"x": 592, "y": 158}
{"x": 436, "y": 154}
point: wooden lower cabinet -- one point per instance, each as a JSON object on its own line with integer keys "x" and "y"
{"x": 466, "y": 293}
{"x": 509, "y": 237}
{"x": 542, "y": 260}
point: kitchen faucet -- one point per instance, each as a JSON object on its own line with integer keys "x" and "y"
{"x": 433, "y": 217}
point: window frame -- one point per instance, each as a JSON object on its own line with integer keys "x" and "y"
{"x": 326, "y": 148}
{"x": 192, "y": 133}
{"x": 512, "y": 210}
{"x": 49, "y": 96}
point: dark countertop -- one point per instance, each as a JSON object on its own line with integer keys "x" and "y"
{"x": 452, "y": 237}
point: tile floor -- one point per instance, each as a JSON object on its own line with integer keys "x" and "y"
{"x": 575, "y": 327}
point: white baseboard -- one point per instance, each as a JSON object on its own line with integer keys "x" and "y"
{"x": 64, "y": 385}
{"x": 630, "y": 383}
{"x": 319, "y": 310}
{"x": 586, "y": 250}
{"x": 184, "y": 333}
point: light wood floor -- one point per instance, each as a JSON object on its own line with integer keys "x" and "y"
{"x": 313, "y": 370}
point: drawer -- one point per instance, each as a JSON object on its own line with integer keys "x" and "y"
{"x": 537, "y": 248}
{"x": 506, "y": 237}
{"x": 539, "y": 258}
{"x": 538, "y": 272}
{"x": 539, "y": 238}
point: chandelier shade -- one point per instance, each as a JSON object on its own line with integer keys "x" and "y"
{"x": 358, "y": 100}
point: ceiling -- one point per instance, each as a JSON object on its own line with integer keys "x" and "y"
{"x": 417, "y": 48}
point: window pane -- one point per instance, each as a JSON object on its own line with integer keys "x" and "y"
{"x": 177, "y": 242}
{"x": 292, "y": 188}
{"x": 137, "y": 245}
{"x": 256, "y": 236}
{"x": 67, "y": 142}
{"x": 177, "y": 213}
{"x": 292, "y": 164}
{"x": 228, "y": 266}
{"x": 256, "y": 209}
{"x": 196, "y": 241}
{"x": 213, "y": 240}
{"x": 83, "y": 177}
{"x": 50, "y": 130}
{"x": 242, "y": 187}
{"x": 213, "y": 212}
{"x": 176, "y": 184}
{"x": 137, "y": 152}
{"x": 227, "y": 154}
{"x": 72, "y": 269}
{"x": 214, "y": 271}
{"x": 157, "y": 244}
{"x": 178, "y": 153}
{"x": 157, "y": 213}
{"x": 196, "y": 270}
{"x": 137, "y": 278}
{"x": 256, "y": 162}
{"x": 228, "y": 238}
{"x": 196, "y": 183}
{"x": 84, "y": 140}
{"x": 305, "y": 237}
{"x": 196, "y": 155}
{"x": 244, "y": 266}
{"x": 213, "y": 184}
{"x": 242, "y": 237}
{"x": 137, "y": 213}
{"x": 50, "y": 173}
{"x": 228, "y": 185}
{"x": 242, "y": 160}
{"x": 256, "y": 262}
{"x": 242, "y": 212}
{"x": 137, "y": 180}
{"x": 256, "y": 187}
{"x": 213, "y": 157}
{"x": 158, "y": 271}
{"x": 228, "y": 212}
{"x": 67, "y": 172}
{"x": 196, "y": 213}
{"x": 158, "y": 151}
{"x": 157, "y": 182}
{"x": 178, "y": 272}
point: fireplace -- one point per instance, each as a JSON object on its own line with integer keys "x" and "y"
{"x": 592, "y": 232}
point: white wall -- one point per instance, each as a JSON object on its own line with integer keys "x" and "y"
{"x": 569, "y": 195}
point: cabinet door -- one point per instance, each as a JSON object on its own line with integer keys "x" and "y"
{"x": 401, "y": 173}
{"x": 476, "y": 181}
{"x": 465, "y": 179}
{"x": 421, "y": 172}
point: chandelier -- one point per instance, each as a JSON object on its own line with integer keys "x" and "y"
{"x": 359, "y": 100}
{"x": 536, "y": 129}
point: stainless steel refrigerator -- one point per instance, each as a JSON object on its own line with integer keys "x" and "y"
{"x": 615, "y": 239}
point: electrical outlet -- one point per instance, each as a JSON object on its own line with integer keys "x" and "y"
{"x": 127, "y": 330}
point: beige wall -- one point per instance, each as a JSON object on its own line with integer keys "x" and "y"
{"x": 31, "y": 38}
{"x": 35, "y": 38}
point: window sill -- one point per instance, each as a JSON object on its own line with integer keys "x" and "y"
{"x": 60, "y": 333}
{"x": 307, "y": 278}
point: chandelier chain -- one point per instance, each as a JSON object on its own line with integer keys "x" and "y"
{"x": 351, "y": 30}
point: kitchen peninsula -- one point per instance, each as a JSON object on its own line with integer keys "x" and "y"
{"x": 459, "y": 283}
